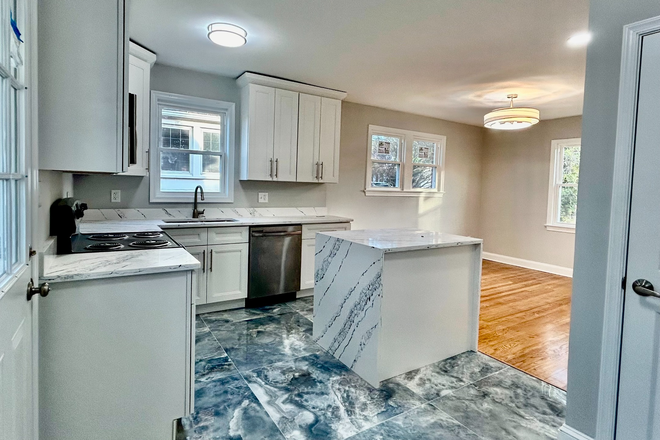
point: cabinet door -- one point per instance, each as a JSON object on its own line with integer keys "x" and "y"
{"x": 309, "y": 133}
{"x": 138, "y": 85}
{"x": 82, "y": 99}
{"x": 227, "y": 272}
{"x": 261, "y": 125}
{"x": 329, "y": 142}
{"x": 199, "y": 282}
{"x": 285, "y": 151}
{"x": 307, "y": 264}
{"x": 189, "y": 236}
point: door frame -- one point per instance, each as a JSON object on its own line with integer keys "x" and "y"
{"x": 619, "y": 225}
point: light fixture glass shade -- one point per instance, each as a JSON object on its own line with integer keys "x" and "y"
{"x": 227, "y": 35}
{"x": 511, "y": 118}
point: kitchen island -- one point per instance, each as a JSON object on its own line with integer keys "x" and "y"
{"x": 392, "y": 300}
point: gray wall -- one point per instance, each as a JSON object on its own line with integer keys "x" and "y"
{"x": 95, "y": 189}
{"x": 514, "y": 194}
{"x": 456, "y": 212}
{"x": 52, "y": 186}
{"x": 606, "y": 21}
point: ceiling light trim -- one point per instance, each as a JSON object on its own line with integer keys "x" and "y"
{"x": 512, "y": 118}
{"x": 227, "y": 34}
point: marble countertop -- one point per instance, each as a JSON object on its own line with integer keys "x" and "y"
{"x": 401, "y": 240}
{"x": 76, "y": 267}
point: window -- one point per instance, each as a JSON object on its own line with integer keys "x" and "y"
{"x": 563, "y": 188}
{"x": 13, "y": 166}
{"x": 192, "y": 144}
{"x": 404, "y": 163}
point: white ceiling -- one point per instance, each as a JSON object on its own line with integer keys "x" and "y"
{"x": 449, "y": 59}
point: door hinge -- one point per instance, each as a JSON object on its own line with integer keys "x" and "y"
{"x": 31, "y": 252}
{"x": 623, "y": 283}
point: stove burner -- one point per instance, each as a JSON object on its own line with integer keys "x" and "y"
{"x": 149, "y": 244}
{"x": 148, "y": 235}
{"x": 106, "y": 237}
{"x": 105, "y": 246}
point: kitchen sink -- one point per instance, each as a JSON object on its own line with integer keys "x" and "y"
{"x": 200, "y": 220}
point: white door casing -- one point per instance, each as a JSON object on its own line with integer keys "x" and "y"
{"x": 638, "y": 412}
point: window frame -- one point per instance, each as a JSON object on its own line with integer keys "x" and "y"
{"x": 555, "y": 184}
{"x": 228, "y": 109}
{"x": 405, "y": 188}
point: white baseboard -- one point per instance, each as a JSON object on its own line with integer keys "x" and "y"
{"x": 568, "y": 433}
{"x": 528, "y": 264}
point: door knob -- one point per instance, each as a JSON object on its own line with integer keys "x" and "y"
{"x": 644, "y": 288}
{"x": 42, "y": 290}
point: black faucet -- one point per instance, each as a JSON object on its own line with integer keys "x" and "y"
{"x": 196, "y": 212}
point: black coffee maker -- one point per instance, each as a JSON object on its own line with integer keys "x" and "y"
{"x": 65, "y": 215}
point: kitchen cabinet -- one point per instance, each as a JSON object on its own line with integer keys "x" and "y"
{"x": 140, "y": 62}
{"x": 83, "y": 98}
{"x": 319, "y": 128}
{"x": 309, "y": 250}
{"x": 290, "y": 131}
{"x": 223, "y": 253}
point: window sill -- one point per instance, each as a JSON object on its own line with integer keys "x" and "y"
{"x": 561, "y": 228}
{"x": 420, "y": 194}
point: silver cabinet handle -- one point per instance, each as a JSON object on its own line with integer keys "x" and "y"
{"x": 270, "y": 173}
{"x": 644, "y": 287}
{"x": 322, "y": 169}
{"x": 211, "y": 261}
{"x": 277, "y": 168}
{"x": 204, "y": 261}
{"x": 316, "y": 171}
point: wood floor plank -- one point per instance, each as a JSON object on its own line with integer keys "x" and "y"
{"x": 524, "y": 320}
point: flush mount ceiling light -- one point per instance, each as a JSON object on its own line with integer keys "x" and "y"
{"x": 511, "y": 118}
{"x": 227, "y": 35}
{"x": 579, "y": 40}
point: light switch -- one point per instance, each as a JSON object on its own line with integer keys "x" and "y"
{"x": 115, "y": 196}
{"x": 263, "y": 197}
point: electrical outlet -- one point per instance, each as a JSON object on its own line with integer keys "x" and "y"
{"x": 263, "y": 197}
{"x": 115, "y": 196}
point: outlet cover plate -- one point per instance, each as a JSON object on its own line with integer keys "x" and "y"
{"x": 263, "y": 197}
{"x": 115, "y": 196}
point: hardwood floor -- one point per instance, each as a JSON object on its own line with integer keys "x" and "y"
{"x": 524, "y": 320}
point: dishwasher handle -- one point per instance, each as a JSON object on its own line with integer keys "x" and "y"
{"x": 275, "y": 234}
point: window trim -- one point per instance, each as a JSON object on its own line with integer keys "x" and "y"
{"x": 405, "y": 160}
{"x": 556, "y": 158}
{"x": 159, "y": 99}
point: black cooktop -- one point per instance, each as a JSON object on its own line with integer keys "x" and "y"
{"x": 124, "y": 241}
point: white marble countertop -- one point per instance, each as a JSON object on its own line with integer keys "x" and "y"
{"x": 109, "y": 226}
{"x": 75, "y": 267}
{"x": 401, "y": 240}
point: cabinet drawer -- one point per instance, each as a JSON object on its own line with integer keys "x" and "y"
{"x": 226, "y": 235}
{"x": 189, "y": 236}
{"x": 310, "y": 231}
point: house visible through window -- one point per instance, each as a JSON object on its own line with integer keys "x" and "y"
{"x": 563, "y": 188}
{"x": 194, "y": 139}
{"x": 403, "y": 162}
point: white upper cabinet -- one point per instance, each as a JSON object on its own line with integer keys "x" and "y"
{"x": 285, "y": 151}
{"x": 290, "y": 131}
{"x": 309, "y": 137}
{"x": 140, "y": 62}
{"x": 329, "y": 143}
{"x": 257, "y": 132}
{"x": 83, "y": 101}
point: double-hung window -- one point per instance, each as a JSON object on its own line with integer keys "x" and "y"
{"x": 192, "y": 144}
{"x": 404, "y": 163}
{"x": 563, "y": 187}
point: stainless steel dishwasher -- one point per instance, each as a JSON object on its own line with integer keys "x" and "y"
{"x": 274, "y": 269}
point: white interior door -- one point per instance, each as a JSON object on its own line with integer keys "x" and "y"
{"x": 17, "y": 362}
{"x": 639, "y": 383}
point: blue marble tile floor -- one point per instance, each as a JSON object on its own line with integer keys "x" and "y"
{"x": 260, "y": 375}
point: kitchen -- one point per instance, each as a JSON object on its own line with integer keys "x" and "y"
{"x": 207, "y": 226}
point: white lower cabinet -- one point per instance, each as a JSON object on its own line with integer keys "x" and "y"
{"x": 227, "y": 273}
{"x": 309, "y": 250}
{"x": 199, "y": 281}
